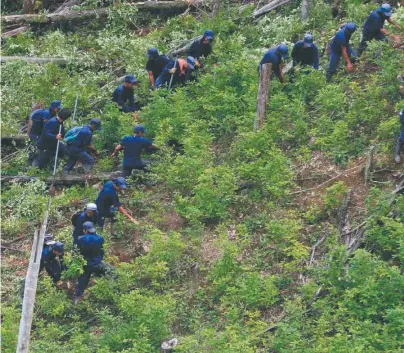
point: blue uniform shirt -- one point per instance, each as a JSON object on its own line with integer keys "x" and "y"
{"x": 305, "y": 56}
{"x": 48, "y": 138}
{"x": 198, "y": 49}
{"x": 47, "y": 255}
{"x": 271, "y": 56}
{"x": 340, "y": 40}
{"x": 132, "y": 148}
{"x": 179, "y": 77}
{"x": 156, "y": 65}
{"x": 107, "y": 198}
{"x": 39, "y": 117}
{"x": 125, "y": 98}
{"x": 373, "y": 24}
{"x": 82, "y": 140}
{"x": 78, "y": 226}
{"x": 91, "y": 248}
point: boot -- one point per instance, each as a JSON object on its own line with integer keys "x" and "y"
{"x": 113, "y": 229}
{"x": 77, "y": 300}
{"x": 397, "y": 157}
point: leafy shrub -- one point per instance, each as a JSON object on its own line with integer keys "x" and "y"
{"x": 335, "y": 196}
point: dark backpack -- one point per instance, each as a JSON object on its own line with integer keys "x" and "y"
{"x": 75, "y": 217}
{"x": 72, "y": 134}
{"x": 48, "y": 240}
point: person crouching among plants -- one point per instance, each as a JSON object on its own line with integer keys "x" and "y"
{"x": 176, "y": 72}
{"x": 400, "y": 140}
{"x": 91, "y": 247}
{"x": 78, "y": 142}
{"x": 132, "y": 147}
{"x": 108, "y": 203}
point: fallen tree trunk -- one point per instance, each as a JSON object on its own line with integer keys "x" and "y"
{"x": 18, "y": 140}
{"x": 183, "y": 49}
{"x": 60, "y": 61}
{"x": 269, "y": 7}
{"x": 63, "y": 8}
{"x": 62, "y": 180}
{"x": 263, "y": 96}
{"x": 14, "y": 32}
{"x": 89, "y": 14}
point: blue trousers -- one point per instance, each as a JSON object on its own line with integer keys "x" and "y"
{"x": 367, "y": 38}
{"x": 53, "y": 268}
{"x": 127, "y": 170}
{"x": 162, "y": 80}
{"x": 335, "y": 59}
{"x": 45, "y": 156}
{"x": 78, "y": 155}
{"x": 94, "y": 269}
{"x": 32, "y": 149}
{"x": 110, "y": 214}
{"x": 401, "y": 137}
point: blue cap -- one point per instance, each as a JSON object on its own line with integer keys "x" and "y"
{"x": 58, "y": 246}
{"x": 308, "y": 40}
{"x": 89, "y": 226}
{"x": 385, "y": 9}
{"x": 350, "y": 27}
{"x": 208, "y": 34}
{"x": 139, "y": 128}
{"x": 56, "y": 104}
{"x": 283, "y": 50}
{"x": 120, "y": 182}
{"x": 152, "y": 53}
{"x": 191, "y": 62}
{"x": 97, "y": 123}
{"x": 130, "y": 79}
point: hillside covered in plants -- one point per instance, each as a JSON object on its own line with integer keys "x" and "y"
{"x": 288, "y": 239}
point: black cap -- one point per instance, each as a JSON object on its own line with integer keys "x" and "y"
{"x": 65, "y": 114}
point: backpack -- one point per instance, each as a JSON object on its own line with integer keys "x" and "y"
{"x": 75, "y": 217}
{"x": 72, "y": 134}
{"x": 48, "y": 240}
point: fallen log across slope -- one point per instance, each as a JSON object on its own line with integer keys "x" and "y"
{"x": 161, "y": 6}
{"x": 269, "y": 7}
{"x": 30, "y": 59}
{"x": 62, "y": 180}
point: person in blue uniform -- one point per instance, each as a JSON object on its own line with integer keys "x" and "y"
{"x": 91, "y": 247}
{"x": 155, "y": 65}
{"x": 132, "y": 147}
{"x": 90, "y": 214}
{"x": 275, "y": 56}
{"x": 37, "y": 120}
{"x": 400, "y": 140}
{"x": 340, "y": 47}
{"x": 124, "y": 95}
{"x": 108, "y": 202}
{"x": 179, "y": 70}
{"x": 77, "y": 150}
{"x": 374, "y": 26}
{"x": 201, "y": 47}
{"x": 305, "y": 52}
{"x": 52, "y": 260}
{"x": 48, "y": 141}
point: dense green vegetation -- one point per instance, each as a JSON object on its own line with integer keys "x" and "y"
{"x": 228, "y": 198}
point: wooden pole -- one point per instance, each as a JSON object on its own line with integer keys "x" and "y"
{"x": 216, "y": 8}
{"x": 263, "y": 95}
{"x": 28, "y": 6}
{"x": 305, "y": 10}
{"x": 30, "y": 292}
